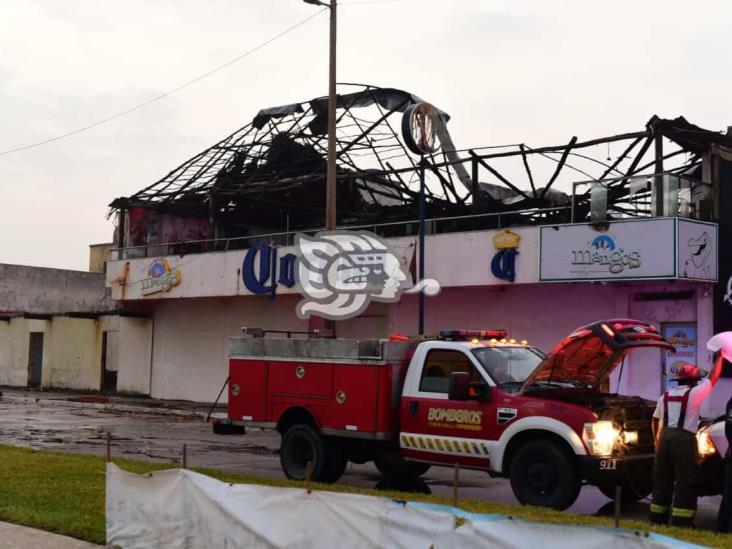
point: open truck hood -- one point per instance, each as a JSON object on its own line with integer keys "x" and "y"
{"x": 590, "y": 353}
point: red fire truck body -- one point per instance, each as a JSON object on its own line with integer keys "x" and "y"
{"x": 472, "y": 398}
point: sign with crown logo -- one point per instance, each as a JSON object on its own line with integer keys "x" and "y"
{"x": 503, "y": 265}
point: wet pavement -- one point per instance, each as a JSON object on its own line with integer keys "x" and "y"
{"x": 151, "y": 430}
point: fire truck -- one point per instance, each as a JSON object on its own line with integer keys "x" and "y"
{"x": 475, "y": 398}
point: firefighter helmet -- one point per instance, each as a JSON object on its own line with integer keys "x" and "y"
{"x": 688, "y": 371}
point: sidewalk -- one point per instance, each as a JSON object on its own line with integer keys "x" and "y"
{"x": 112, "y": 402}
{"x": 13, "y": 536}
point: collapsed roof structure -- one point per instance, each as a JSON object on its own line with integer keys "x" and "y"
{"x": 269, "y": 176}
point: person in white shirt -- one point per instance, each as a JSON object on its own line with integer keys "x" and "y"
{"x": 675, "y": 422}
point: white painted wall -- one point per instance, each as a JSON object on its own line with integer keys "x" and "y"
{"x": 72, "y": 354}
{"x": 190, "y": 346}
{"x": 135, "y": 355}
{"x": 14, "y": 349}
{"x": 189, "y": 342}
{"x": 72, "y": 351}
{"x": 40, "y": 290}
{"x": 455, "y": 259}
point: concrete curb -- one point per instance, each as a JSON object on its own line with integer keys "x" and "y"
{"x": 112, "y": 406}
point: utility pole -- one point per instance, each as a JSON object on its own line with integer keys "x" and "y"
{"x": 330, "y": 185}
{"x": 330, "y": 196}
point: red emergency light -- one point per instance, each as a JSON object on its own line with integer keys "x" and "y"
{"x": 454, "y": 335}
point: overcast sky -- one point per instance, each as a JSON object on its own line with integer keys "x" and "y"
{"x": 507, "y": 72}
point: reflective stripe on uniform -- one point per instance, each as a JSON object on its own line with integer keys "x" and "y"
{"x": 683, "y": 513}
{"x": 659, "y": 509}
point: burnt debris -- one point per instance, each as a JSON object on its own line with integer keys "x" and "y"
{"x": 269, "y": 176}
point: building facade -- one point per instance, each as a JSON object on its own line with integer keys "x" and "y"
{"x": 564, "y": 277}
{"x": 59, "y": 329}
{"x": 639, "y": 236}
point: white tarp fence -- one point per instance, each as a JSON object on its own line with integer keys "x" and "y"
{"x": 180, "y": 508}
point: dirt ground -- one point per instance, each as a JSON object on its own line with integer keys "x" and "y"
{"x": 156, "y": 431}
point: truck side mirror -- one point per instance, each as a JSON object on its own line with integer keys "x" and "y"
{"x": 485, "y": 392}
{"x": 459, "y": 387}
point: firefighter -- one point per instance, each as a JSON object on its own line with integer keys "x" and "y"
{"x": 725, "y": 508}
{"x": 675, "y": 423}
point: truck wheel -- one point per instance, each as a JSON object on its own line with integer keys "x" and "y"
{"x": 399, "y": 468}
{"x": 630, "y": 492}
{"x": 543, "y": 474}
{"x": 302, "y": 443}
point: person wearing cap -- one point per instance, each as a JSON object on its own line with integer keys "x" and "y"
{"x": 675, "y": 423}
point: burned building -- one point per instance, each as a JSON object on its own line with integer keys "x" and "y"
{"x": 619, "y": 226}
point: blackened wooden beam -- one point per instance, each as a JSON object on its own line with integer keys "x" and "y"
{"x": 498, "y": 175}
{"x": 665, "y": 157}
{"x": 522, "y": 148}
{"x": 658, "y": 169}
{"x": 639, "y": 156}
{"x": 553, "y": 148}
{"x": 446, "y": 185}
{"x": 475, "y": 183}
{"x": 560, "y": 165}
{"x": 620, "y": 158}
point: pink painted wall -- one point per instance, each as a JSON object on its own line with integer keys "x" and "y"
{"x": 545, "y": 313}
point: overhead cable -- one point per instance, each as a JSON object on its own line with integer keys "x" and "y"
{"x": 163, "y": 95}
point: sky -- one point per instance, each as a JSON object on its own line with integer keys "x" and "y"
{"x": 511, "y": 71}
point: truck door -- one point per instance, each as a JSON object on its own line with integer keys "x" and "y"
{"x": 437, "y": 429}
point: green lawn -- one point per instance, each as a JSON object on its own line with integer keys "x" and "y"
{"x": 64, "y": 493}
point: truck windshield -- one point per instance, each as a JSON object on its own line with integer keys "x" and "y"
{"x": 509, "y": 365}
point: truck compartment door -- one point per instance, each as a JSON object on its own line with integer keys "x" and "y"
{"x": 300, "y": 378}
{"x": 247, "y": 394}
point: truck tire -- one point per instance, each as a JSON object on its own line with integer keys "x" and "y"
{"x": 631, "y": 492}
{"x": 336, "y": 460}
{"x": 400, "y": 469}
{"x": 544, "y": 474}
{"x": 302, "y": 443}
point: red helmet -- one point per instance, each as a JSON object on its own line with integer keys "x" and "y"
{"x": 688, "y": 371}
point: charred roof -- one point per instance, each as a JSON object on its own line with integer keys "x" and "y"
{"x": 271, "y": 173}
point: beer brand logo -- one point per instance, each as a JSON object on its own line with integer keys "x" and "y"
{"x": 503, "y": 265}
{"x": 340, "y": 273}
{"x": 161, "y": 277}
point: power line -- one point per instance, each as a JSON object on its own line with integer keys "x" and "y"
{"x": 166, "y": 94}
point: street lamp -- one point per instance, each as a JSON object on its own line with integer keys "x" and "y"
{"x": 419, "y": 129}
{"x": 330, "y": 186}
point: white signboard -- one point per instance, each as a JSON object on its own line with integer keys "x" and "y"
{"x": 633, "y": 249}
{"x": 697, "y": 250}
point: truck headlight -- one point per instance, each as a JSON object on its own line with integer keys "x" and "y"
{"x": 600, "y": 437}
{"x": 705, "y": 444}
{"x": 630, "y": 437}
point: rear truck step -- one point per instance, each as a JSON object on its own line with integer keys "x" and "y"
{"x": 226, "y": 427}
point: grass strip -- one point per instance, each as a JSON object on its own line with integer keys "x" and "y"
{"x": 64, "y": 493}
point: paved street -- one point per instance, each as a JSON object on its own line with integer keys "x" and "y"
{"x": 145, "y": 434}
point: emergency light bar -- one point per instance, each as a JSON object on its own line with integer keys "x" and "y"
{"x": 456, "y": 335}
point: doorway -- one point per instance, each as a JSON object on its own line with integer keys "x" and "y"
{"x": 35, "y": 359}
{"x": 109, "y": 362}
